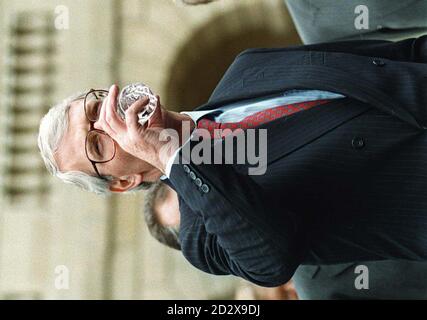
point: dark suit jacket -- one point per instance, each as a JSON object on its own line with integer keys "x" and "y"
{"x": 345, "y": 181}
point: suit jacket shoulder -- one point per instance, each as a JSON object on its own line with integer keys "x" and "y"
{"x": 365, "y": 70}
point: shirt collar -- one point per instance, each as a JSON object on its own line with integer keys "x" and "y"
{"x": 196, "y": 115}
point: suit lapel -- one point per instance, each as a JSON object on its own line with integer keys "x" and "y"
{"x": 268, "y": 80}
{"x": 287, "y": 134}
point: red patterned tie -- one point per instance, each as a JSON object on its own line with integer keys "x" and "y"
{"x": 256, "y": 119}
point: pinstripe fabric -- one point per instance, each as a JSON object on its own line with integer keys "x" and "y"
{"x": 324, "y": 198}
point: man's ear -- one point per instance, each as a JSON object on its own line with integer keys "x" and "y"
{"x": 125, "y": 183}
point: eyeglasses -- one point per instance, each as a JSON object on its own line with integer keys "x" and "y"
{"x": 99, "y": 146}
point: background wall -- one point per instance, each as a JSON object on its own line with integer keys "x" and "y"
{"x": 49, "y": 230}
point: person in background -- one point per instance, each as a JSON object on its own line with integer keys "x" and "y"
{"x": 330, "y": 20}
{"x": 387, "y": 279}
{"x": 161, "y": 214}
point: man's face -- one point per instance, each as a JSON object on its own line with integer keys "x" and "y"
{"x": 71, "y": 155}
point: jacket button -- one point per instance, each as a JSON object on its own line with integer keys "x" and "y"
{"x": 198, "y": 182}
{"x": 192, "y": 175}
{"x": 205, "y": 188}
{"x": 186, "y": 168}
{"x": 358, "y": 143}
{"x": 378, "y": 62}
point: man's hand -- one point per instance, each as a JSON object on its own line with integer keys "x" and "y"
{"x": 141, "y": 141}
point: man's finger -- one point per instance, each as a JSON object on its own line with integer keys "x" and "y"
{"x": 131, "y": 113}
{"x": 156, "y": 118}
{"x": 111, "y": 116}
{"x": 102, "y": 123}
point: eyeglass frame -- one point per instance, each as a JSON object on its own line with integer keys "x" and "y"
{"x": 92, "y": 129}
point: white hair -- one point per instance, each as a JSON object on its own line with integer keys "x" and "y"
{"x": 52, "y": 128}
{"x": 168, "y": 235}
